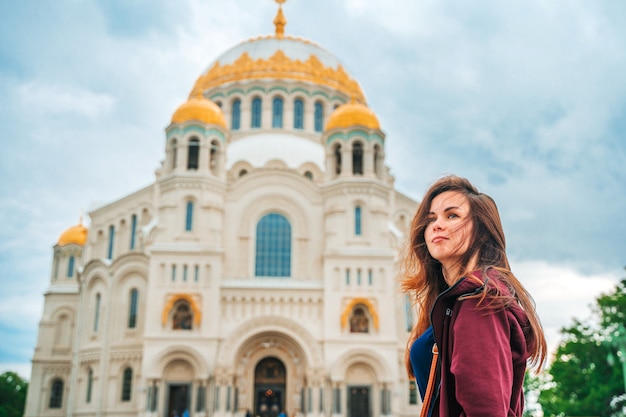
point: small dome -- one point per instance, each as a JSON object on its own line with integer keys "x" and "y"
{"x": 201, "y": 109}
{"x": 352, "y": 114}
{"x": 76, "y": 235}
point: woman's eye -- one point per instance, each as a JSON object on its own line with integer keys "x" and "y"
{"x": 452, "y": 216}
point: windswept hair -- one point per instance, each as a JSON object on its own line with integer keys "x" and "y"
{"x": 422, "y": 275}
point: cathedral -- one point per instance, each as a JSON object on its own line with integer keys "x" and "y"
{"x": 256, "y": 275}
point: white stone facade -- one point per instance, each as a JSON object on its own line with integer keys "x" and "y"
{"x": 169, "y": 306}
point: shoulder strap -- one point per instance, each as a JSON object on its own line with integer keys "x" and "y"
{"x": 430, "y": 388}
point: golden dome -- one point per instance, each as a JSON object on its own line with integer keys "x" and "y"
{"x": 201, "y": 109}
{"x": 278, "y": 57}
{"x": 352, "y": 114}
{"x": 76, "y": 235}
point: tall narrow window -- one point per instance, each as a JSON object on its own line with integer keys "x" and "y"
{"x": 213, "y": 157}
{"x": 357, "y": 220}
{"x": 193, "y": 152}
{"x": 189, "y": 216}
{"x": 200, "y": 399}
{"x": 319, "y": 116}
{"x": 89, "y": 385}
{"x": 347, "y": 277}
{"x": 357, "y": 158}
{"x": 196, "y": 273}
{"x": 228, "y": 394}
{"x": 185, "y": 268}
{"x": 277, "y": 112}
{"x": 173, "y": 273}
{"x": 133, "y": 231}
{"x": 370, "y": 277}
{"x": 127, "y": 384}
{"x": 256, "y": 112}
{"x": 376, "y": 160}
{"x": 337, "y": 154}
{"x": 235, "y": 121}
{"x": 132, "y": 309}
{"x": 70, "y": 267}
{"x": 298, "y": 114}
{"x": 56, "y": 394}
{"x": 96, "y": 319}
{"x": 111, "y": 242}
{"x": 273, "y": 246}
{"x": 358, "y": 276}
{"x": 412, "y": 392}
{"x": 337, "y": 400}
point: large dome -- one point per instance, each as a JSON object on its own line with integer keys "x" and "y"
{"x": 279, "y": 57}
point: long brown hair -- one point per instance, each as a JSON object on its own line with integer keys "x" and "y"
{"x": 422, "y": 275}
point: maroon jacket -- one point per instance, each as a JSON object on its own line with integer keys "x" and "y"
{"x": 482, "y": 353}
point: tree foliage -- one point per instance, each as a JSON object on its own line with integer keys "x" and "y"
{"x": 12, "y": 395}
{"x": 581, "y": 381}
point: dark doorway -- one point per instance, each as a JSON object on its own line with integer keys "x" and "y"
{"x": 358, "y": 401}
{"x": 270, "y": 379}
{"x": 178, "y": 399}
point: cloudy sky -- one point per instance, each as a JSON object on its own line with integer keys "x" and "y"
{"x": 525, "y": 98}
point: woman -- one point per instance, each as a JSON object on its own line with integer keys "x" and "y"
{"x": 476, "y": 319}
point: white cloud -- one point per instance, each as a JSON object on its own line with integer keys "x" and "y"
{"x": 561, "y": 293}
{"x": 54, "y": 100}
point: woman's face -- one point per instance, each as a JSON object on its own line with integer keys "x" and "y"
{"x": 448, "y": 229}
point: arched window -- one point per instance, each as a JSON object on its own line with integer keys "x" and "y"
{"x": 174, "y": 152}
{"x": 96, "y": 317}
{"x": 56, "y": 394}
{"x": 357, "y": 220}
{"x": 308, "y": 175}
{"x": 273, "y": 246}
{"x": 111, "y": 241}
{"x": 183, "y": 318}
{"x": 337, "y": 154}
{"x": 357, "y": 158}
{"x": 133, "y": 231}
{"x": 359, "y": 323}
{"x": 132, "y": 308}
{"x": 127, "y": 384}
{"x": 70, "y": 267}
{"x": 256, "y": 112}
{"x": 277, "y": 112}
{"x": 193, "y": 152}
{"x": 319, "y": 116}
{"x": 235, "y": 120}
{"x": 89, "y": 385}
{"x": 189, "y": 216}
{"x": 298, "y": 114}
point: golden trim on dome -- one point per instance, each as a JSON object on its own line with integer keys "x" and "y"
{"x": 279, "y": 21}
{"x": 201, "y": 109}
{"x": 74, "y": 235}
{"x": 278, "y": 66}
{"x": 352, "y": 114}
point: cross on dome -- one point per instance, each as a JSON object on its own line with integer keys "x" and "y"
{"x": 279, "y": 20}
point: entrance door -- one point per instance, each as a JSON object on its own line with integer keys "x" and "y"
{"x": 359, "y": 401}
{"x": 178, "y": 399}
{"x": 270, "y": 379}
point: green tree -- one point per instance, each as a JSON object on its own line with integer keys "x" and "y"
{"x": 12, "y": 395}
{"x": 580, "y": 380}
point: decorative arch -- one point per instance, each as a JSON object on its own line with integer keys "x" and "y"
{"x": 179, "y": 352}
{"x": 361, "y": 355}
{"x": 353, "y": 303}
{"x": 234, "y": 344}
{"x": 173, "y": 298}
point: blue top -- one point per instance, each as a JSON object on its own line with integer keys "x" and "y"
{"x": 421, "y": 358}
